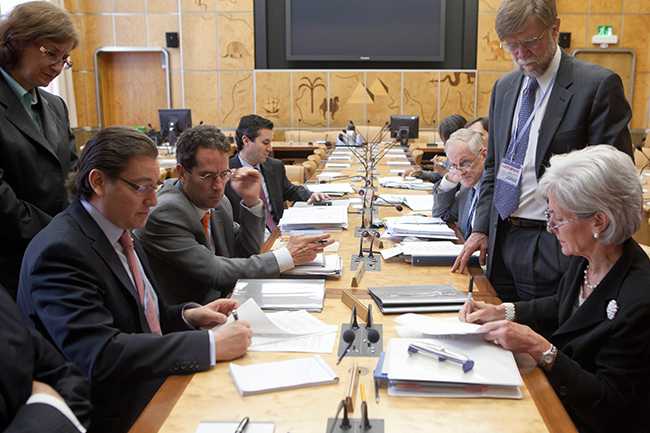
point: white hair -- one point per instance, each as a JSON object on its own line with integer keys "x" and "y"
{"x": 597, "y": 179}
{"x": 473, "y": 140}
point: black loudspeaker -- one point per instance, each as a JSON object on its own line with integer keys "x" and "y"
{"x": 564, "y": 40}
{"x": 171, "y": 40}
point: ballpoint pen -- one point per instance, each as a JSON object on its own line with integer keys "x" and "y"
{"x": 242, "y": 425}
{"x": 441, "y": 353}
{"x": 470, "y": 289}
{"x": 236, "y": 316}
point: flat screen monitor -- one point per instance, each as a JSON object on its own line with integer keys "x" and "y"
{"x": 176, "y": 120}
{"x": 404, "y": 126}
{"x": 363, "y": 30}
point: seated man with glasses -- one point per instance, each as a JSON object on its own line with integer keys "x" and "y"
{"x": 195, "y": 248}
{"x": 455, "y": 196}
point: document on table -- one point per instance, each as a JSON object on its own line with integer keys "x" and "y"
{"x": 337, "y": 165}
{"x": 339, "y": 158}
{"x": 286, "y": 331}
{"x": 314, "y": 217}
{"x": 398, "y": 162}
{"x": 341, "y": 188}
{"x": 410, "y": 325}
{"x": 281, "y": 375}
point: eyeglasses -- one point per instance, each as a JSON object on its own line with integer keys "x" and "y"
{"x": 527, "y": 43}
{"x": 212, "y": 177}
{"x": 551, "y": 225}
{"x": 463, "y": 166}
{"x": 141, "y": 189}
{"x": 56, "y": 59}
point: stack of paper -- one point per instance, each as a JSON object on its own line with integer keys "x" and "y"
{"x": 329, "y": 175}
{"x": 418, "y": 326}
{"x": 325, "y": 265}
{"x": 421, "y": 227}
{"x": 398, "y": 162}
{"x": 338, "y": 157}
{"x": 494, "y": 373}
{"x": 337, "y": 165}
{"x": 405, "y": 183}
{"x": 282, "y": 294}
{"x": 281, "y": 375}
{"x": 286, "y": 331}
{"x": 316, "y": 217}
{"x": 339, "y": 189}
{"x": 434, "y": 253}
{"x": 422, "y": 299}
{"x": 419, "y": 202}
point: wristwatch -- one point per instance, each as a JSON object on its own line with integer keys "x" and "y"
{"x": 548, "y": 358}
{"x": 510, "y": 311}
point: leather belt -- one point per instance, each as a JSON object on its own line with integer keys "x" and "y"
{"x": 525, "y": 223}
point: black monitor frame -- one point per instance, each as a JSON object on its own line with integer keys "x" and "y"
{"x": 398, "y": 124}
{"x": 181, "y": 117}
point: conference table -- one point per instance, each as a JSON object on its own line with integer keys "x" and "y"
{"x": 185, "y": 401}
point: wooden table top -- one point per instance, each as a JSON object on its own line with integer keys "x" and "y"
{"x": 184, "y": 401}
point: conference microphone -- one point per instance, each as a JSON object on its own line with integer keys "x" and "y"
{"x": 348, "y": 336}
{"x": 363, "y": 234}
{"x": 373, "y": 335}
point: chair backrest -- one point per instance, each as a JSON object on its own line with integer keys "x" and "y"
{"x": 417, "y": 156}
{"x": 310, "y": 168}
{"x": 295, "y": 173}
{"x": 320, "y": 152}
{"x": 314, "y": 157}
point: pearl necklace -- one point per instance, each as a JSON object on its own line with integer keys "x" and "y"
{"x": 586, "y": 283}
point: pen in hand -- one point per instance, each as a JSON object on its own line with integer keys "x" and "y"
{"x": 470, "y": 296}
{"x": 236, "y": 316}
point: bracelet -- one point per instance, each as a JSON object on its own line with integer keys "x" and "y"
{"x": 510, "y": 311}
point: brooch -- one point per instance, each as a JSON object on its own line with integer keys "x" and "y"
{"x": 612, "y": 309}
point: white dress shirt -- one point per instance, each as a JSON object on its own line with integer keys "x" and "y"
{"x": 59, "y": 405}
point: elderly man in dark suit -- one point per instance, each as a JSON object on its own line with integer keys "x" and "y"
{"x": 254, "y": 135}
{"x": 196, "y": 249}
{"x": 456, "y": 194}
{"x": 87, "y": 285}
{"x": 36, "y": 144}
{"x": 39, "y": 390}
{"x": 552, "y": 104}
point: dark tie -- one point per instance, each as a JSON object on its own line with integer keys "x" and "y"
{"x": 471, "y": 207}
{"x": 150, "y": 311}
{"x": 268, "y": 217}
{"x": 506, "y": 196}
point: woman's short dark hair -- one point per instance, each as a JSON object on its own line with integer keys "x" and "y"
{"x": 31, "y": 22}
{"x": 449, "y": 125}
{"x": 110, "y": 151}
{"x": 484, "y": 120}
{"x": 202, "y": 136}
{"x": 250, "y": 127}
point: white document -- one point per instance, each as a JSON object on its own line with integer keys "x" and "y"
{"x": 433, "y": 231}
{"x": 398, "y": 163}
{"x": 314, "y": 217}
{"x": 329, "y": 175}
{"x": 397, "y": 170}
{"x": 389, "y": 253}
{"x": 336, "y": 157}
{"x": 230, "y": 427}
{"x": 493, "y": 365}
{"x": 337, "y": 165}
{"x": 286, "y": 331}
{"x": 435, "y": 326}
{"x": 419, "y": 202}
{"x": 281, "y": 375}
{"x": 414, "y": 219}
{"x": 326, "y": 265}
{"x": 342, "y": 188}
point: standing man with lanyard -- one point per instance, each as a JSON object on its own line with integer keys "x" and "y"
{"x": 552, "y": 104}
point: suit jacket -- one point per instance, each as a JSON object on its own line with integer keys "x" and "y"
{"x": 75, "y": 290}
{"x": 586, "y": 106}
{"x": 602, "y": 371}
{"x": 452, "y": 206}
{"x": 181, "y": 259}
{"x": 279, "y": 186}
{"x": 27, "y": 356}
{"x": 33, "y": 169}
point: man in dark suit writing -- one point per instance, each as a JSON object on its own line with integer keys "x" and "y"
{"x": 87, "y": 285}
{"x": 551, "y": 104}
{"x": 254, "y": 135}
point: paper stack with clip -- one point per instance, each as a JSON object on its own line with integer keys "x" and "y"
{"x": 324, "y": 265}
{"x": 282, "y": 294}
{"x": 420, "y": 227}
{"x": 314, "y": 217}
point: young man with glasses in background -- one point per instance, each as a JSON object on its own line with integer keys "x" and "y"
{"x": 37, "y": 147}
{"x": 551, "y": 104}
{"x": 196, "y": 249}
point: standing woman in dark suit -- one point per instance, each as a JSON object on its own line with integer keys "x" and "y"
{"x": 36, "y": 143}
{"x": 593, "y": 336}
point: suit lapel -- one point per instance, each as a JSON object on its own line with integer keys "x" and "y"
{"x": 221, "y": 244}
{"x": 267, "y": 172}
{"x": 594, "y": 310}
{"x": 17, "y": 115}
{"x": 557, "y": 104}
{"x": 509, "y": 103}
{"x": 51, "y": 125}
{"x": 105, "y": 250}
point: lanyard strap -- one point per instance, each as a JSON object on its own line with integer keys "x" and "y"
{"x": 519, "y": 132}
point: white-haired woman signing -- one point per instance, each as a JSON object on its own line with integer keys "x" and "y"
{"x": 593, "y": 337}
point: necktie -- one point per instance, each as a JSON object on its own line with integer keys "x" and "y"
{"x": 268, "y": 217}
{"x": 467, "y": 224}
{"x": 506, "y": 195}
{"x": 150, "y": 310}
{"x": 205, "y": 222}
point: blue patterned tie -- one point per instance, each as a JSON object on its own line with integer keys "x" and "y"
{"x": 467, "y": 224}
{"x": 506, "y": 196}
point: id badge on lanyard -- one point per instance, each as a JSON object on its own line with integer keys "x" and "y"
{"x": 510, "y": 170}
